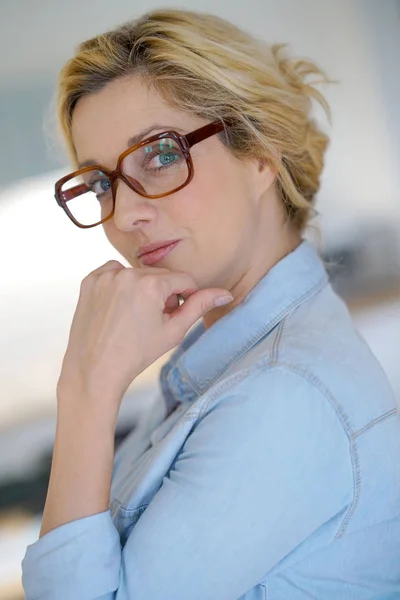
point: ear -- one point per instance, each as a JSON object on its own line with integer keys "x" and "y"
{"x": 267, "y": 173}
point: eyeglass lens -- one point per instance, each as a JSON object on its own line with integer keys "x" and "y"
{"x": 157, "y": 168}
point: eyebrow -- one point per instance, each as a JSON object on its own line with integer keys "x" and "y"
{"x": 135, "y": 139}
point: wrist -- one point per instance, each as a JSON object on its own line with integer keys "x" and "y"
{"x": 84, "y": 409}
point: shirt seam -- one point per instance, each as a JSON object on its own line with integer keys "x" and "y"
{"x": 377, "y": 421}
{"x": 264, "y": 363}
{"x": 353, "y": 450}
{"x": 276, "y": 342}
{"x": 261, "y": 333}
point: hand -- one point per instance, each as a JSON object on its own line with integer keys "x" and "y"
{"x": 125, "y": 319}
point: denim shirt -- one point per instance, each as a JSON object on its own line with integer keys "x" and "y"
{"x": 272, "y": 472}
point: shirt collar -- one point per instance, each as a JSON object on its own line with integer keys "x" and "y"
{"x": 204, "y": 354}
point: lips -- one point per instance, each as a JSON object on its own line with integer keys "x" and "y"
{"x": 153, "y": 253}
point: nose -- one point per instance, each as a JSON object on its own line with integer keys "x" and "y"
{"x": 132, "y": 211}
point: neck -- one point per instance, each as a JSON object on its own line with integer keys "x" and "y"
{"x": 258, "y": 266}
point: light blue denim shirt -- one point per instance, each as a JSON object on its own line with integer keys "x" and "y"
{"x": 273, "y": 474}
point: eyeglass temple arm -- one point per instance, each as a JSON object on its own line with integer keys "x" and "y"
{"x": 204, "y": 132}
{"x": 74, "y": 191}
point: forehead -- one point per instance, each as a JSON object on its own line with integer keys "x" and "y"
{"x": 103, "y": 122}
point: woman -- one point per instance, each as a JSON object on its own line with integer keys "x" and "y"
{"x": 273, "y": 471}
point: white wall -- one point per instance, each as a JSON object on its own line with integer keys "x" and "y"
{"x": 356, "y": 41}
{"x": 361, "y": 177}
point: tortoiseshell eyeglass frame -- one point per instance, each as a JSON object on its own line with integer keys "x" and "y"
{"x": 185, "y": 142}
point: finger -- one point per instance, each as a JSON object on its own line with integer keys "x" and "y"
{"x": 177, "y": 283}
{"x": 195, "y": 307}
{"x": 111, "y": 265}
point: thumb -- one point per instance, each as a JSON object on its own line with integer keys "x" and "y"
{"x": 197, "y": 305}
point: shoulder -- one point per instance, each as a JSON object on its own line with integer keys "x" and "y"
{"x": 278, "y": 409}
{"x": 280, "y": 435}
{"x": 320, "y": 342}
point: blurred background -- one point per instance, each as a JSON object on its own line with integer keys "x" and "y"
{"x": 44, "y": 256}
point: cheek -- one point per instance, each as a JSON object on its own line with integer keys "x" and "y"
{"x": 110, "y": 231}
{"x": 204, "y": 201}
{"x": 216, "y": 207}
{"x": 118, "y": 240}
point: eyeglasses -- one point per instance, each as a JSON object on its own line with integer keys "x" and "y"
{"x": 155, "y": 167}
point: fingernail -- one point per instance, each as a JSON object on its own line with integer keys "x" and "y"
{"x": 222, "y": 300}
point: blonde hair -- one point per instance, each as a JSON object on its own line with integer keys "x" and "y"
{"x": 210, "y": 68}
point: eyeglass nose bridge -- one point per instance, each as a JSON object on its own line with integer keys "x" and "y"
{"x": 132, "y": 183}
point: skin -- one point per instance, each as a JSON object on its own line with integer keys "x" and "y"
{"x": 247, "y": 233}
{"x": 232, "y": 228}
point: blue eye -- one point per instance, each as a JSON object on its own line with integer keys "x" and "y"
{"x": 101, "y": 186}
{"x": 168, "y": 158}
{"x": 160, "y": 156}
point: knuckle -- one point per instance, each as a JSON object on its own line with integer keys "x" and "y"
{"x": 149, "y": 285}
{"x": 123, "y": 273}
{"x": 164, "y": 287}
{"x": 124, "y": 277}
{"x": 86, "y": 281}
{"x": 113, "y": 262}
{"x": 105, "y": 278}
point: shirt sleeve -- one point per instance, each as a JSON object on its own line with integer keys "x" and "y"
{"x": 260, "y": 472}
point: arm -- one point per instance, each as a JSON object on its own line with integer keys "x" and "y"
{"x": 258, "y": 475}
{"x": 81, "y": 470}
{"x": 76, "y": 527}
{"x": 125, "y": 319}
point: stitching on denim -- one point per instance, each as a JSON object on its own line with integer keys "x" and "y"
{"x": 197, "y": 414}
{"x": 350, "y": 435}
{"x": 357, "y": 489}
{"x": 343, "y": 418}
{"x": 276, "y": 342}
{"x": 384, "y": 417}
{"x": 311, "y": 378}
{"x": 270, "y": 326}
{"x": 356, "y": 470}
{"x": 201, "y": 389}
{"x": 114, "y": 506}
